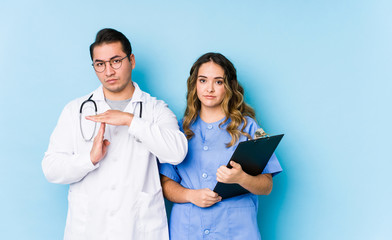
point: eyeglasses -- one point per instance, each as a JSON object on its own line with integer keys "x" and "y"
{"x": 115, "y": 63}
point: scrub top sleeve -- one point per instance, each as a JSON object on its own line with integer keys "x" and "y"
{"x": 169, "y": 171}
{"x": 251, "y": 127}
{"x": 273, "y": 166}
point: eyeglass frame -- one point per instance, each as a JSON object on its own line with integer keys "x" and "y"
{"x": 110, "y": 63}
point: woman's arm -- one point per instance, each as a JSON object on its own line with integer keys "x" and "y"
{"x": 259, "y": 185}
{"x": 174, "y": 192}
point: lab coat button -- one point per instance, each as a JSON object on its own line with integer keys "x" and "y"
{"x": 205, "y": 148}
{"x": 114, "y": 187}
{"x": 206, "y": 231}
{"x": 204, "y": 175}
{"x": 209, "y": 127}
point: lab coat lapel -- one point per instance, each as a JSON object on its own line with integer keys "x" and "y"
{"x": 99, "y": 98}
{"x": 133, "y": 106}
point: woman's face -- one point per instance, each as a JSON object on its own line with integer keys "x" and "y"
{"x": 210, "y": 85}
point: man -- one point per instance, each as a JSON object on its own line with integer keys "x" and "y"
{"x": 115, "y": 191}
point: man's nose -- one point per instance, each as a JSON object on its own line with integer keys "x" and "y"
{"x": 109, "y": 71}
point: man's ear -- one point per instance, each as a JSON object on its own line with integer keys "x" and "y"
{"x": 132, "y": 60}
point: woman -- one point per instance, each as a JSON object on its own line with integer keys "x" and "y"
{"x": 215, "y": 121}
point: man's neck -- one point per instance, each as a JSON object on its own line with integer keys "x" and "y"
{"x": 124, "y": 94}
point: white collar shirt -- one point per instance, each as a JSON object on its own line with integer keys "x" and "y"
{"x": 121, "y": 196}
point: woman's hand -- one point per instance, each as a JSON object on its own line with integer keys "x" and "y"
{"x": 203, "y": 197}
{"x": 230, "y": 175}
{"x": 260, "y": 184}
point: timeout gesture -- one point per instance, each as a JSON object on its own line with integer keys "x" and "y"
{"x": 113, "y": 117}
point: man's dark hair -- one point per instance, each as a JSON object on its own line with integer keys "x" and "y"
{"x": 109, "y": 35}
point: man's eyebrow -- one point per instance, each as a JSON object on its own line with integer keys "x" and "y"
{"x": 99, "y": 60}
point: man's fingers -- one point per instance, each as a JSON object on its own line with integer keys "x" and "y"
{"x": 105, "y": 146}
{"x": 96, "y": 118}
{"x": 102, "y": 130}
{"x": 106, "y": 142}
{"x": 101, "y": 133}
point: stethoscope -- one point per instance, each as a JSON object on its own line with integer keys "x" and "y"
{"x": 96, "y": 110}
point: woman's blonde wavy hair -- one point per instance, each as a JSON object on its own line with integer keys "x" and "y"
{"x": 233, "y": 103}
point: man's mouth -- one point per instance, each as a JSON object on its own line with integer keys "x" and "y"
{"x": 111, "y": 80}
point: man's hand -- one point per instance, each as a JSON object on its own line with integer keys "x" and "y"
{"x": 233, "y": 175}
{"x": 203, "y": 197}
{"x": 100, "y": 146}
{"x": 113, "y": 117}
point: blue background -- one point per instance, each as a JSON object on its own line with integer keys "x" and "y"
{"x": 318, "y": 71}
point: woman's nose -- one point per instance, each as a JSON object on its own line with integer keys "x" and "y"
{"x": 210, "y": 87}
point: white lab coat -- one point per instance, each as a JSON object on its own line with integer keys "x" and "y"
{"x": 121, "y": 196}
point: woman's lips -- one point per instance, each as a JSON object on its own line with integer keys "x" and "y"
{"x": 209, "y": 96}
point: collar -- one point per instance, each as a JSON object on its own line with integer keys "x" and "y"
{"x": 137, "y": 94}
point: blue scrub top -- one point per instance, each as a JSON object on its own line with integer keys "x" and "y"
{"x": 232, "y": 218}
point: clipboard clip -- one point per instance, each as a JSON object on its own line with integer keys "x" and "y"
{"x": 261, "y": 134}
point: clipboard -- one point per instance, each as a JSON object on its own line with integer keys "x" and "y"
{"x": 253, "y": 155}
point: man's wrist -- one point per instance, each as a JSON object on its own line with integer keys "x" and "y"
{"x": 93, "y": 159}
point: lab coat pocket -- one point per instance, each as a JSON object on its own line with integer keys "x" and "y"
{"x": 151, "y": 212}
{"x": 243, "y": 223}
{"x": 77, "y": 213}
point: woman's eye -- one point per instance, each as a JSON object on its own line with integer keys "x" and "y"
{"x": 202, "y": 80}
{"x": 219, "y": 82}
